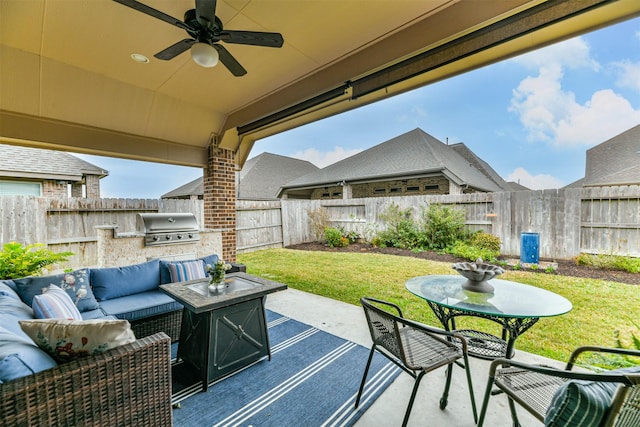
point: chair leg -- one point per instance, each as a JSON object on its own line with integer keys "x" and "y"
{"x": 413, "y": 397}
{"x": 447, "y": 385}
{"x": 470, "y": 385}
{"x": 364, "y": 376}
{"x": 514, "y": 414}
{"x": 485, "y": 400}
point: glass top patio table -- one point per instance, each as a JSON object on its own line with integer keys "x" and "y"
{"x": 513, "y": 305}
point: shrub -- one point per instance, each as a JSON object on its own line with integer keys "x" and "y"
{"x": 334, "y": 237}
{"x": 18, "y": 261}
{"x": 609, "y": 262}
{"x": 442, "y": 227}
{"x": 486, "y": 241}
{"x": 471, "y": 253}
{"x": 401, "y": 231}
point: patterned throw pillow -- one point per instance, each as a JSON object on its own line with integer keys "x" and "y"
{"x": 184, "y": 271}
{"x": 75, "y": 283}
{"x": 66, "y": 340}
{"x": 54, "y": 303}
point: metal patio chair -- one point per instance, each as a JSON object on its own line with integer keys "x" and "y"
{"x": 415, "y": 348}
{"x": 564, "y": 397}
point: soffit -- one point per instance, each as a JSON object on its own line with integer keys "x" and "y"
{"x": 67, "y": 80}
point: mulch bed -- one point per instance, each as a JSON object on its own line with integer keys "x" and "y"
{"x": 565, "y": 267}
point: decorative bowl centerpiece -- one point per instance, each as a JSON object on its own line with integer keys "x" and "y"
{"x": 478, "y": 274}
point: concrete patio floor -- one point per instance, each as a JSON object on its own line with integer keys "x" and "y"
{"x": 348, "y": 321}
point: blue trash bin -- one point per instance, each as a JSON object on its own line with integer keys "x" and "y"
{"x": 530, "y": 248}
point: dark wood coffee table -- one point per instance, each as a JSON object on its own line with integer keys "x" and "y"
{"x": 221, "y": 331}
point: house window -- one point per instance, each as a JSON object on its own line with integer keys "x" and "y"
{"x": 18, "y": 188}
{"x": 338, "y": 194}
{"x": 395, "y": 190}
{"x": 431, "y": 187}
{"x": 413, "y": 188}
{"x": 380, "y": 191}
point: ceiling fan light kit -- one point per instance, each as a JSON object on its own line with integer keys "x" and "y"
{"x": 204, "y": 55}
{"x": 206, "y": 31}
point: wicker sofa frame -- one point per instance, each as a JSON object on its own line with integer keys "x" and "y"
{"x": 126, "y": 386}
{"x": 169, "y": 323}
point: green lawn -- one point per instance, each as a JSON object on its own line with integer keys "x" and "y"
{"x": 599, "y": 307}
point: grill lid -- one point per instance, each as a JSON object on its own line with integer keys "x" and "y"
{"x": 167, "y": 228}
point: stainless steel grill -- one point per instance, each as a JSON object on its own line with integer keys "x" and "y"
{"x": 167, "y": 228}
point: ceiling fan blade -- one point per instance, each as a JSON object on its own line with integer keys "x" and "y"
{"x": 175, "y": 49}
{"x": 206, "y": 12}
{"x": 254, "y": 38}
{"x": 140, "y": 7}
{"x": 229, "y": 61}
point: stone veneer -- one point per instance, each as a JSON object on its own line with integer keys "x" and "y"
{"x": 116, "y": 250}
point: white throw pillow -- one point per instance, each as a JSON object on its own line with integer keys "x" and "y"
{"x": 66, "y": 340}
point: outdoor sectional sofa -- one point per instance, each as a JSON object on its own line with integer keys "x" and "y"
{"x": 126, "y": 385}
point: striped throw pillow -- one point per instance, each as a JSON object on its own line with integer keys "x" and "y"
{"x": 184, "y": 271}
{"x": 55, "y": 303}
{"x": 580, "y": 404}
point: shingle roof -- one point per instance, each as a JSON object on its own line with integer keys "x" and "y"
{"x": 413, "y": 153}
{"x": 260, "y": 178}
{"x": 263, "y": 175}
{"x": 37, "y": 163}
{"x": 615, "y": 161}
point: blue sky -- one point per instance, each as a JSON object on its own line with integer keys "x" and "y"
{"x": 532, "y": 117}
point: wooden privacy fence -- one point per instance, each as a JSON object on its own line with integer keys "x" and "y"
{"x": 569, "y": 221}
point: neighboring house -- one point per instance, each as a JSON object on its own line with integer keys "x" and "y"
{"x": 614, "y": 162}
{"x": 410, "y": 164}
{"x": 516, "y": 186}
{"x": 37, "y": 172}
{"x": 260, "y": 178}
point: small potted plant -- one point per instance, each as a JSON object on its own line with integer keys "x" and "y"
{"x": 216, "y": 274}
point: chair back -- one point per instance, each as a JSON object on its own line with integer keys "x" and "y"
{"x": 625, "y": 409}
{"x": 383, "y": 327}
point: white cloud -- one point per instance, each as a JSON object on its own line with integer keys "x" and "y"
{"x": 573, "y": 53}
{"x": 551, "y": 113}
{"x": 534, "y": 182}
{"x": 629, "y": 74}
{"x": 325, "y": 158}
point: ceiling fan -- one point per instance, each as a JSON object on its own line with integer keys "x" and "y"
{"x": 206, "y": 30}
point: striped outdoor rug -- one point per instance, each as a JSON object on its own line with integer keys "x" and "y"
{"x": 312, "y": 380}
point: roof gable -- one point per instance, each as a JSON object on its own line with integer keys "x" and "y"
{"x": 260, "y": 178}
{"x": 37, "y": 163}
{"x": 623, "y": 151}
{"x": 412, "y": 153}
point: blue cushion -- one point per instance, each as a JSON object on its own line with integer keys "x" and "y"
{"x": 95, "y": 314}
{"x": 109, "y": 283}
{"x": 20, "y": 357}
{"x": 76, "y": 284}
{"x": 139, "y": 306}
{"x": 12, "y": 310}
{"x": 8, "y": 288}
{"x": 165, "y": 274}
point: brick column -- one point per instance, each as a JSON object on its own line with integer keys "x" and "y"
{"x": 220, "y": 198}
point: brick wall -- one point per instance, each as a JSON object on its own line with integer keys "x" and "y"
{"x": 92, "y": 184}
{"x": 434, "y": 185}
{"x": 54, "y": 189}
{"x": 220, "y": 198}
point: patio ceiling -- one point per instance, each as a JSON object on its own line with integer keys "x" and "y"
{"x": 68, "y": 81}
